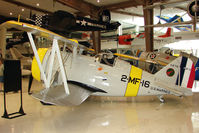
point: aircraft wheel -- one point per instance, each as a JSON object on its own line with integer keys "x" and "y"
{"x": 162, "y": 100}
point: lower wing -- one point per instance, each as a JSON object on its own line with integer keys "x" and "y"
{"x": 56, "y": 94}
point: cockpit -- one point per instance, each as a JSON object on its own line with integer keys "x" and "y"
{"x": 106, "y": 58}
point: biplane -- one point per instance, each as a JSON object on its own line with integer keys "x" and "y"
{"x": 70, "y": 77}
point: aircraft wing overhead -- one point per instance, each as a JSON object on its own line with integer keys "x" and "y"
{"x": 36, "y": 30}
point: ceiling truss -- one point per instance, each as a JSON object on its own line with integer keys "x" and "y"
{"x": 27, "y": 6}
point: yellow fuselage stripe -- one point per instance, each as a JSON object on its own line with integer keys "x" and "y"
{"x": 133, "y": 81}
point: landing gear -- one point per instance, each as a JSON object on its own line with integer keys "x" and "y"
{"x": 161, "y": 98}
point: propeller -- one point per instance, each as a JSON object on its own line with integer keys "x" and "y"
{"x": 193, "y": 11}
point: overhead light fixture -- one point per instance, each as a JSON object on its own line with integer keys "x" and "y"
{"x": 10, "y": 13}
{"x": 22, "y": 9}
{"x": 98, "y": 1}
{"x": 37, "y": 4}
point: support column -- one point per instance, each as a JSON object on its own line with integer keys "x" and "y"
{"x": 96, "y": 35}
{"x": 3, "y": 32}
{"x": 148, "y": 20}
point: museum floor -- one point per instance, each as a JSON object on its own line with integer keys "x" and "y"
{"x": 103, "y": 115}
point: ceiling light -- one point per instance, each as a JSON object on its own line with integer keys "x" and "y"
{"x": 98, "y": 1}
{"x": 10, "y": 13}
{"x": 37, "y": 4}
{"x": 22, "y": 9}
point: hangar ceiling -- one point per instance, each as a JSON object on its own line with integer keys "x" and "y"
{"x": 127, "y": 12}
{"x": 124, "y": 11}
{"x": 124, "y": 7}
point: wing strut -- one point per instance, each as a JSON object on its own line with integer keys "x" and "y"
{"x": 55, "y": 49}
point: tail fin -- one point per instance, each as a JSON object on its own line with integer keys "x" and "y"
{"x": 179, "y": 72}
{"x": 167, "y": 34}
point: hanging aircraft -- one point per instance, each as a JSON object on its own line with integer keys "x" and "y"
{"x": 176, "y": 19}
{"x": 63, "y": 23}
{"x": 66, "y": 24}
{"x": 70, "y": 77}
{"x": 138, "y": 41}
{"x": 167, "y": 39}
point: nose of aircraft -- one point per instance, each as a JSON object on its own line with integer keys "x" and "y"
{"x": 35, "y": 68}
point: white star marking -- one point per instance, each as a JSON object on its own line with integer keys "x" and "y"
{"x": 83, "y": 22}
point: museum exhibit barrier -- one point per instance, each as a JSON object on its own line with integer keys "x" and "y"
{"x": 12, "y": 83}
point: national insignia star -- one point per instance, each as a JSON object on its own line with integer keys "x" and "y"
{"x": 83, "y": 22}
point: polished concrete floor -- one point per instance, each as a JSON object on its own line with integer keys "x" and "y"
{"x": 103, "y": 115}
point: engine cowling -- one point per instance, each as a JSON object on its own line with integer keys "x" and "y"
{"x": 193, "y": 8}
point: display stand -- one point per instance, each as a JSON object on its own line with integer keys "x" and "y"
{"x": 12, "y": 83}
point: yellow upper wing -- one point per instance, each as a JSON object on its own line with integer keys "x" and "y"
{"x": 34, "y": 30}
{"x": 51, "y": 35}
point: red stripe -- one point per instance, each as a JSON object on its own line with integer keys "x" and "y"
{"x": 191, "y": 77}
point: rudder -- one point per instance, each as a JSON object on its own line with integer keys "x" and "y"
{"x": 179, "y": 72}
